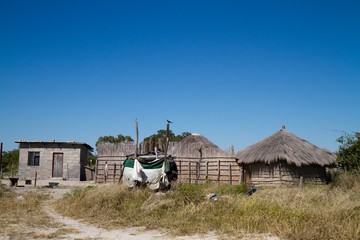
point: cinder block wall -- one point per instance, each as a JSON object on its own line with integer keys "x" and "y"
{"x": 74, "y": 161}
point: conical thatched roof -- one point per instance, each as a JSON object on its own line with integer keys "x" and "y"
{"x": 284, "y": 145}
{"x": 189, "y": 147}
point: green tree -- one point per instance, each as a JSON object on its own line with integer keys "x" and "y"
{"x": 161, "y": 134}
{"x": 348, "y": 155}
{"x": 112, "y": 139}
{"x": 7, "y": 158}
{"x": 91, "y": 161}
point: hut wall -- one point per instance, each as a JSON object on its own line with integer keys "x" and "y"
{"x": 277, "y": 174}
{"x": 291, "y": 174}
{"x": 265, "y": 174}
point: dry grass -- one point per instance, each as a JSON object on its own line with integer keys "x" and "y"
{"x": 21, "y": 217}
{"x": 325, "y": 212}
{"x": 57, "y": 234}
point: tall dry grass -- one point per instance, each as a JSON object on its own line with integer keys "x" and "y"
{"x": 316, "y": 212}
{"x": 20, "y": 217}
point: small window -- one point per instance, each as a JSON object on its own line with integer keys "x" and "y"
{"x": 34, "y": 159}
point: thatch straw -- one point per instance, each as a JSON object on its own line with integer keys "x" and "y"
{"x": 284, "y": 145}
{"x": 190, "y": 146}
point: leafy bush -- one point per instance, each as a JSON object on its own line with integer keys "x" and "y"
{"x": 7, "y": 159}
{"x": 348, "y": 155}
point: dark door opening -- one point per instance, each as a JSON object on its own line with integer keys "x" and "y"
{"x": 57, "y": 169}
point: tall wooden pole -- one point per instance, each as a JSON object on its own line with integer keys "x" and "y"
{"x": 167, "y": 139}
{"x": 137, "y": 137}
{"x": 1, "y": 173}
{"x": 198, "y": 167}
{"x": 114, "y": 173}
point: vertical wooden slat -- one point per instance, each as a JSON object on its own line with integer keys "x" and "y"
{"x": 35, "y": 179}
{"x": 179, "y": 174}
{"x": 114, "y": 172}
{"x": 230, "y": 175}
{"x": 218, "y": 176}
{"x": 197, "y": 174}
{"x": 121, "y": 172}
{"x": 96, "y": 170}
{"x": 189, "y": 172}
{"x": 137, "y": 137}
{"x": 240, "y": 174}
{"x": 206, "y": 171}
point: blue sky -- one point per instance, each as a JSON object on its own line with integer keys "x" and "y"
{"x": 233, "y": 71}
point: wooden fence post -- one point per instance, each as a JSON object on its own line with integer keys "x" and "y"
{"x": 121, "y": 172}
{"x": 230, "y": 175}
{"x": 197, "y": 174}
{"x": 179, "y": 173}
{"x": 114, "y": 173}
{"x": 218, "y": 174}
{"x": 206, "y": 171}
{"x": 35, "y": 179}
{"x": 301, "y": 183}
{"x": 96, "y": 170}
{"x": 189, "y": 172}
{"x": 240, "y": 174}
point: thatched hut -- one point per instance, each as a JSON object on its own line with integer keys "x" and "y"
{"x": 197, "y": 157}
{"x": 283, "y": 158}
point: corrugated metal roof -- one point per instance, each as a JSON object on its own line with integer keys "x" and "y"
{"x": 56, "y": 142}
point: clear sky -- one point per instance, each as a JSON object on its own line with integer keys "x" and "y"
{"x": 233, "y": 71}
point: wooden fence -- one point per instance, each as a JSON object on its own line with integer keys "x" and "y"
{"x": 215, "y": 165}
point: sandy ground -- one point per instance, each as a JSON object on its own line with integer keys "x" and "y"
{"x": 79, "y": 230}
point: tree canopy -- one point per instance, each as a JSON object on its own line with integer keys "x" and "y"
{"x": 161, "y": 134}
{"x": 112, "y": 139}
{"x": 348, "y": 155}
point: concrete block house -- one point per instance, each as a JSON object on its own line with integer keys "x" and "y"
{"x": 53, "y": 160}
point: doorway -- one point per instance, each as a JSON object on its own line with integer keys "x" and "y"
{"x": 57, "y": 169}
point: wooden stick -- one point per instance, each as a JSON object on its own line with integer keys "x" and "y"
{"x": 137, "y": 137}
{"x": 301, "y": 183}
{"x": 240, "y": 174}
{"x": 230, "y": 175}
{"x": 114, "y": 172}
{"x": 198, "y": 167}
{"x": 189, "y": 172}
{"x": 121, "y": 172}
{"x": 167, "y": 139}
{"x": 35, "y": 179}
{"x": 197, "y": 173}
{"x": 218, "y": 176}
{"x": 206, "y": 171}
{"x": 96, "y": 170}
